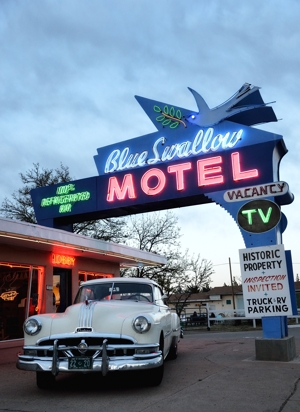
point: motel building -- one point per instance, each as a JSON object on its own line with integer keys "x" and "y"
{"x": 41, "y": 268}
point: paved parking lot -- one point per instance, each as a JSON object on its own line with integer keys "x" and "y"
{"x": 215, "y": 372}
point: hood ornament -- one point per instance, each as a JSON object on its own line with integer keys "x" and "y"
{"x": 82, "y": 347}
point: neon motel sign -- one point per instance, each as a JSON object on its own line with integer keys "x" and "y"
{"x": 193, "y": 158}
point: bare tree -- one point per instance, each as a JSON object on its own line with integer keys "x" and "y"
{"x": 20, "y": 207}
{"x": 109, "y": 229}
{"x": 159, "y": 233}
{"x": 154, "y": 231}
{"x": 200, "y": 271}
{"x": 197, "y": 277}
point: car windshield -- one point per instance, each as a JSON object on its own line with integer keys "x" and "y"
{"x": 115, "y": 291}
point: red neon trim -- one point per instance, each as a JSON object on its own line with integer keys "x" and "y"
{"x": 179, "y": 169}
{"x": 236, "y": 169}
{"x": 120, "y": 192}
{"x": 203, "y": 171}
{"x": 161, "y": 182}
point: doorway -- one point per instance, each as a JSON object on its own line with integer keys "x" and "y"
{"x": 62, "y": 296}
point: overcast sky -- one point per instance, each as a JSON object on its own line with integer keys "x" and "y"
{"x": 69, "y": 71}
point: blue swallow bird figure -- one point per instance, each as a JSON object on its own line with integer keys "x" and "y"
{"x": 246, "y": 107}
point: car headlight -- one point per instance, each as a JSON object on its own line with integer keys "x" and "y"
{"x": 141, "y": 324}
{"x": 32, "y": 326}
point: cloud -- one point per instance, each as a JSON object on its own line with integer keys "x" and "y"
{"x": 70, "y": 70}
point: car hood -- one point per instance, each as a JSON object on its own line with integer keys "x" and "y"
{"x": 102, "y": 317}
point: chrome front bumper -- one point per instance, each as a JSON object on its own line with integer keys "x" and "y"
{"x": 101, "y": 364}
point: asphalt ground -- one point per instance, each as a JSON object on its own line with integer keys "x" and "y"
{"x": 215, "y": 372}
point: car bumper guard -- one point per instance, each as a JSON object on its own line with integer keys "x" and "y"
{"x": 103, "y": 363}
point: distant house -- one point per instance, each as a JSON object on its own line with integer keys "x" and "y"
{"x": 218, "y": 300}
{"x": 188, "y": 304}
{"x": 225, "y": 298}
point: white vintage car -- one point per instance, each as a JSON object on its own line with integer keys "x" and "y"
{"x": 115, "y": 324}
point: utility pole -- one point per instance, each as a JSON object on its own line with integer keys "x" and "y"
{"x": 232, "y": 290}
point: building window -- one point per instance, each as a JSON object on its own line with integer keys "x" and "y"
{"x": 84, "y": 276}
{"x": 228, "y": 302}
{"x": 20, "y": 297}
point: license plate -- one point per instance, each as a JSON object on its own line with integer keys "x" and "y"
{"x": 80, "y": 363}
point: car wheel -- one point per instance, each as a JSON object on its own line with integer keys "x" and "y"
{"x": 173, "y": 352}
{"x": 155, "y": 375}
{"x": 45, "y": 380}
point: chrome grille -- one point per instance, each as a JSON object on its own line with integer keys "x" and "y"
{"x": 70, "y": 346}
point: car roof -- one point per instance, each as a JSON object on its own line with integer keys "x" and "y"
{"x": 119, "y": 279}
